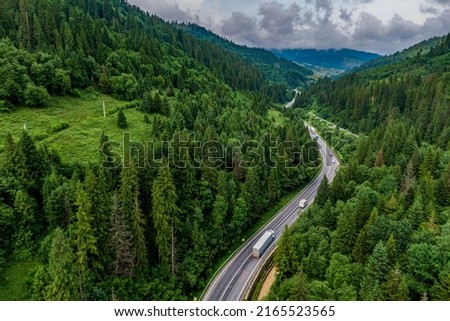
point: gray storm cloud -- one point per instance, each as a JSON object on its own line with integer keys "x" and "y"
{"x": 317, "y": 24}
{"x": 167, "y": 10}
{"x": 280, "y": 26}
{"x": 279, "y": 20}
{"x": 346, "y": 15}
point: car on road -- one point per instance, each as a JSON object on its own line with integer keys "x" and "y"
{"x": 303, "y": 203}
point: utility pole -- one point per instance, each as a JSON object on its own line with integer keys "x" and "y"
{"x": 104, "y": 109}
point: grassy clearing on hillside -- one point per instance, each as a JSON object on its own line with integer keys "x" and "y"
{"x": 276, "y": 117}
{"x": 84, "y": 117}
{"x": 13, "y": 286}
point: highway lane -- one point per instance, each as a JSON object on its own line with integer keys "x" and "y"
{"x": 234, "y": 278}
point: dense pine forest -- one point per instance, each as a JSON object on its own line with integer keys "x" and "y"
{"x": 154, "y": 223}
{"x": 286, "y": 71}
{"x": 381, "y": 230}
{"x": 192, "y": 152}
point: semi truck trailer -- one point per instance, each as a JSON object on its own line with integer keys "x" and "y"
{"x": 263, "y": 243}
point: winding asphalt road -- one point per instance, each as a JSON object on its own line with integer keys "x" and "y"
{"x": 232, "y": 281}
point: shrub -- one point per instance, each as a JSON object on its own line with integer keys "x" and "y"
{"x": 58, "y": 128}
{"x": 124, "y": 87}
{"x": 36, "y": 96}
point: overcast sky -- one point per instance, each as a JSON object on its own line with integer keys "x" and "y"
{"x": 382, "y": 26}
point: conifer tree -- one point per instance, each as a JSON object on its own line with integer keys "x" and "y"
{"x": 32, "y": 161}
{"x": 362, "y": 248}
{"x": 27, "y": 228}
{"x": 253, "y": 193}
{"x": 375, "y": 273}
{"x": 443, "y": 187}
{"x": 444, "y": 287}
{"x": 323, "y": 193}
{"x": 164, "y": 215}
{"x": 122, "y": 120}
{"x": 300, "y": 290}
{"x": 343, "y": 239}
{"x": 240, "y": 217}
{"x": 329, "y": 216}
{"x": 25, "y": 207}
{"x": 138, "y": 228}
{"x": 219, "y": 213}
{"x": 104, "y": 84}
{"x": 165, "y": 107}
{"x": 147, "y": 103}
{"x": 121, "y": 242}
{"x": 97, "y": 192}
{"x": 377, "y": 265}
{"x": 416, "y": 213}
{"x": 286, "y": 259}
{"x": 129, "y": 203}
{"x": 222, "y": 185}
{"x": 14, "y": 160}
{"x": 395, "y": 288}
{"x": 391, "y": 249}
{"x": 25, "y": 23}
{"x": 274, "y": 191}
{"x": 157, "y": 105}
{"x": 64, "y": 279}
{"x": 84, "y": 238}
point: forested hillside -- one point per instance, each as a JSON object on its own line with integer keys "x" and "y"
{"x": 55, "y": 47}
{"x": 412, "y": 90}
{"x": 411, "y": 52}
{"x": 278, "y": 70}
{"x": 144, "y": 220}
{"x": 381, "y": 230}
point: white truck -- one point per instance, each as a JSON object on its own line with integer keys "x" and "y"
{"x": 303, "y": 203}
{"x": 263, "y": 243}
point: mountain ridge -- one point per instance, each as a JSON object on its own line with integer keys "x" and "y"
{"x": 331, "y": 59}
{"x": 292, "y": 74}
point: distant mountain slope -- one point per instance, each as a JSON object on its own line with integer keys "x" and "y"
{"x": 413, "y": 88}
{"x": 411, "y": 52}
{"x": 343, "y": 59}
{"x": 276, "y": 69}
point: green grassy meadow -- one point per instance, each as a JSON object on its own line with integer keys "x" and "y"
{"x": 84, "y": 115}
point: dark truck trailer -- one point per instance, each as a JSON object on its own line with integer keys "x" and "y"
{"x": 263, "y": 243}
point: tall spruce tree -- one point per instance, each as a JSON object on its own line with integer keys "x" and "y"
{"x": 62, "y": 270}
{"x": 129, "y": 203}
{"x": 122, "y": 120}
{"x": 395, "y": 288}
{"x": 253, "y": 193}
{"x": 33, "y": 163}
{"x": 286, "y": 258}
{"x": 14, "y": 161}
{"x": 274, "y": 188}
{"x": 121, "y": 242}
{"x": 97, "y": 191}
{"x": 323, "y": 193}
{"x": 164, "y": 214}
{"x": 84, "y": 239}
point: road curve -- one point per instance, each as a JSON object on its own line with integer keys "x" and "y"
{"x": 292, "y": 102}
{"x": 232, "y": 280}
